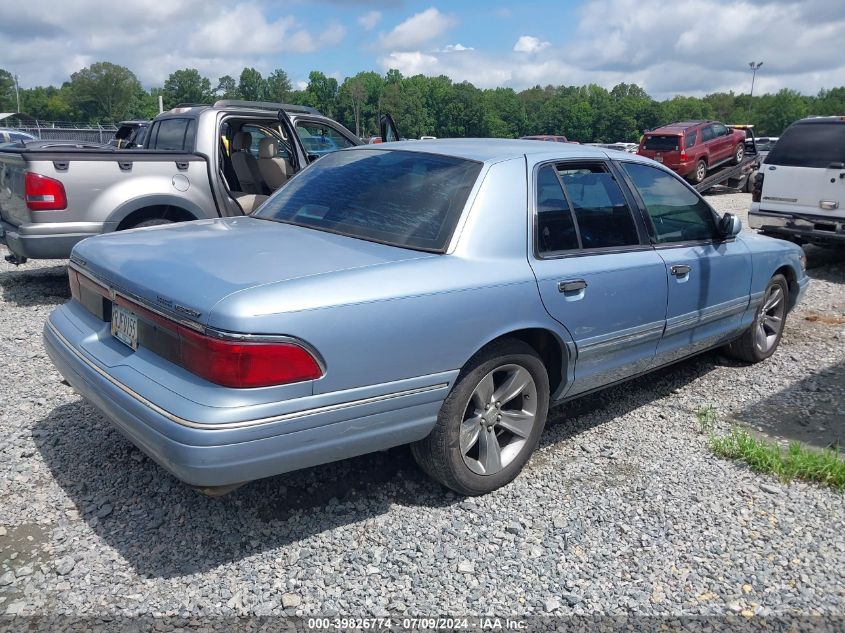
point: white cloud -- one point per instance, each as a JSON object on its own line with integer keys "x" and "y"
{"x": 529, "y": 44}
{"x": 45, "y": 41}
{"x": 369, "y": 20}
{"x": 417, "y": 30}
{"x": 453, "y": 48}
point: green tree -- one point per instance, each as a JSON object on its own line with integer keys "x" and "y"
{"x": 774, "y": 113}
{"x": 278, "y": 86}
{"x": 322, "y": 92}
{"x": 354, "y": 92}
{"x": 186, "y": 86}
{"x": 227, "y": 87}
{"x": 105, "y": 92}
{"x": 8, "y": 101}
{"x": 251, "y": 86}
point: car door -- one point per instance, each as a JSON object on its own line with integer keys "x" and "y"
{"x": 320, "y": 138}
{"x": 596, "y": 272}
{"x": 723, "y": 142}
{"x": 388, "y": 129}
{"x": 709, "y": 143}
{"x": 709, "y": 278}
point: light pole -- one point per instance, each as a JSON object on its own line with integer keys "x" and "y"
{"x": 754, "y": 66}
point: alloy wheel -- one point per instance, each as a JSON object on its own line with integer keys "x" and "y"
{"x": 498, "y": 419}
{"x": 700, "y": 172}
{"x": 770, "y": 319}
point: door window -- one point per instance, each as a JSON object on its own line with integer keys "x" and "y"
{"x": 676, "y": 212}
{"x": 601, "y": 213}
{"x": 720, "y": 130}
{"x": 319, "y": 138}
{"x": 258, "y": 133}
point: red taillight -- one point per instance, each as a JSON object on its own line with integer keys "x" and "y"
{"x": 757, "y": 188}
{"x": 245, "y": 364}
{"x": 44, "y": 194}
{"x": 238, "y": 364}
{"x": 684, "y": 155}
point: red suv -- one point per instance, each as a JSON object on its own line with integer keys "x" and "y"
{"x": 691, "y": 148}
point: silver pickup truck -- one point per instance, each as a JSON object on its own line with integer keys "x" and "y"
{"x": 197, "y": 162}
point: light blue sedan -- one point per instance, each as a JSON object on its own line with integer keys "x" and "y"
{"x": 438, "y": 293}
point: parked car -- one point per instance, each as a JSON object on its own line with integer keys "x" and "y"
{"x": 130, "y": 134}
{"x": 546, "y": 137}
{"x": 692, "y": 148}
{"x": 15, "y": 136}
{"x": 799, "y": 192}
{"x": 197, "y": 162}
{"x": 439, "y": 293}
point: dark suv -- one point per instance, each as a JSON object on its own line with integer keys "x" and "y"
{"x": 691, "y": 148}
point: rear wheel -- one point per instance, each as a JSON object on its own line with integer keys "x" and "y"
{"x": 150, "y": 222}
{"x": 700, "y": 172}
{"x": 762, "y": 337}
{"x": 490, "y": 423}
{"x": 739, "y": 154}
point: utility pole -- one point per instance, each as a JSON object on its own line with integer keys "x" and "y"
{"x": 17, "y": 94}
{"x": 754, "y": 66}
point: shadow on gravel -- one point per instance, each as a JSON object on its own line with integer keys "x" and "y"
{"x": 825, "y": 263}
{"x": 42, "y": 286}
{"x": 165, "y": 529}
{"x": 811, "y": 411}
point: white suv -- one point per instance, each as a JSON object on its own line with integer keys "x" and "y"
{"x": 799, "y": 192}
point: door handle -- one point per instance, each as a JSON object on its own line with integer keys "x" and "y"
{"x": 680, "y": 270}
{"x": 573, "y": 285}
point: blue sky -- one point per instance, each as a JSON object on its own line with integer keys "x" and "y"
{"x": 669, "y": 47}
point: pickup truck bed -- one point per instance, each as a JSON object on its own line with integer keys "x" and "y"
{"x": 101, "y": 190}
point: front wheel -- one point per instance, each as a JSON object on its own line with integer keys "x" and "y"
{"x": 762, "y": 337}
{"x": 490, "y": 423}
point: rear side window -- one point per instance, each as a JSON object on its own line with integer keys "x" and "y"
{"x": 689, "y": 139}
{"x": 677, "y": 213}
{"x": 174, "y": 134}
{"x": 662, "y": 143}
{"x": 810, "y": 145}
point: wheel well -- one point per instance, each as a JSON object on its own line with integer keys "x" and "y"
{"x": 791, "y": 282}
{"x": 166, "y": 212}
{"x": 548, "y": 347}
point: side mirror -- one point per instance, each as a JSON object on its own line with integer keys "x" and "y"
{"x": 730, "y": 225}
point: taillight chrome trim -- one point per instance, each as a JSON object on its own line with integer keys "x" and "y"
{"x": 284, "y": 417}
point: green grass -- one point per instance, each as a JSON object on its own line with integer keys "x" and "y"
{"x": 797, "y": 462}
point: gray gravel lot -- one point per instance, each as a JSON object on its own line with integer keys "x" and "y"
{"x": 622, "y": 510}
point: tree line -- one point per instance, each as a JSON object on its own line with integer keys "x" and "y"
{"x": 106, "y": 92}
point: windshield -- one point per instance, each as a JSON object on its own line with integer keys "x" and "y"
{"x": 810, "y": 145}
{"x": 662, "y": 143}
{"x": 401, "y": 198}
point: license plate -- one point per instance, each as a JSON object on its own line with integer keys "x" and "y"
{"x": 124, "y": 326}
{"x": 658, "y": 158}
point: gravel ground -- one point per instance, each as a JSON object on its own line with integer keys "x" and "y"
{"x": 622, "y": 509}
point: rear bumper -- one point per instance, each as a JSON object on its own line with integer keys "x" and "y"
{"x": 46, "y": 240}
{"x": 235, "y": 453}
{"x": 810, "y": 228}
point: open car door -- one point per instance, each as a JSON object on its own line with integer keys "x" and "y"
{"x": 295, "y": 142}
{"x": 389, "y": 133}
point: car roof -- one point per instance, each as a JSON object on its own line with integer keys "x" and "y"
{"x": 491, "y": 150}
{"x": 677, "y": 128}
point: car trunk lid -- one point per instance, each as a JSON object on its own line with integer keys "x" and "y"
{"x": 184, "y": 270}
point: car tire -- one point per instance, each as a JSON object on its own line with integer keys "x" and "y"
{"x": 749, "y": 182}
{"x": 700, "y": 172}
{"x": 450, "y": 455}
{"x": 150, "y": 222}
{"x": 739, "y": 154}
{"x": 762, "y": 337}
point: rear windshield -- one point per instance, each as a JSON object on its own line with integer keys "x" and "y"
{"x": 401, "y": 198}
{"x": 662, "y": 143}
{"x": 810, "y": 145}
